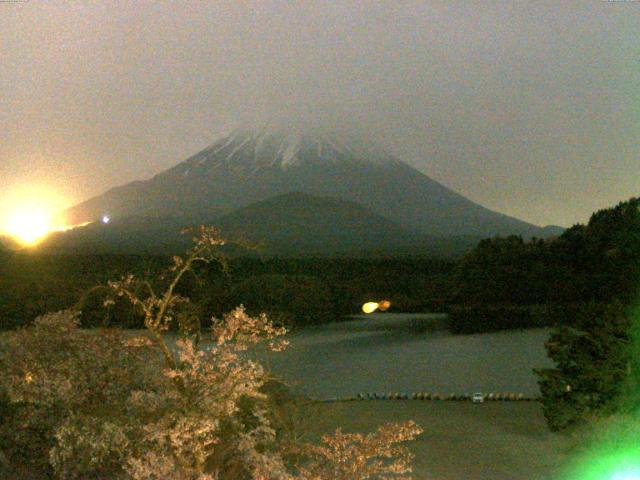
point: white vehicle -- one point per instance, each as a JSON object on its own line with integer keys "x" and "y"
{"x": 477, "y": 397}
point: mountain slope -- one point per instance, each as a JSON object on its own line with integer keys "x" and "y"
{"x": 247, "y": 167}
{"x": 301, "y": 223}
{"x": 130, "y": 235}
{"x": 291, "y": 224}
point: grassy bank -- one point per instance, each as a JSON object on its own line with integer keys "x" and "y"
{"x": 496, "y": 441}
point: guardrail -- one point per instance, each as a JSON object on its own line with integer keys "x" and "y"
{"x": 488, "y": 397}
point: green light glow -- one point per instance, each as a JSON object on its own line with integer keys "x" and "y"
{"x": 613, "y": 448}
{"x": 622, "y": 463}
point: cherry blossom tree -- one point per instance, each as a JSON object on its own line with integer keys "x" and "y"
{"x": 103, "y": 403}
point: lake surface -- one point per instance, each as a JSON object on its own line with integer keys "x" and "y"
{"x": 406, "y": 353}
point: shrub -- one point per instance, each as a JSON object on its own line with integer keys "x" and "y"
{"x": 594, "y": 365}
{"x": 353, "y": 456}
{"x": 53, "y": 370}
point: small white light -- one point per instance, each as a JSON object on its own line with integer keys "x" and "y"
{"x": 106, "y": 219}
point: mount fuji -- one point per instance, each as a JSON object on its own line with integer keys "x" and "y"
{"x": 252, "y": 166}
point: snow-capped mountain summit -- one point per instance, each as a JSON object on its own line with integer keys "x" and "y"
{"x": 253, "y": 150}
{"x": 253, "y": 165}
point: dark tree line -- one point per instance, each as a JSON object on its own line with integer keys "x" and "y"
{"x": 594, "y": 263}
{"x": 299, "y": 292}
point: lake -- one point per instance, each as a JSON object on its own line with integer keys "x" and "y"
{"x": 407, "y": 353}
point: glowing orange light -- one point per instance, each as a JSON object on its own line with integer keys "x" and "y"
{"x": 29, "y": 224}
{"x": 384, "y": 305}
{"x": 28, "y": 214}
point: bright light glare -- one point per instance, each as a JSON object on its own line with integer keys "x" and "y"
{"x": 370, "y": 307}
{"x": 29, "y": 224}
{"x": 106, "y": 219}
{"x": 29, "y": 212}
{"x": 631, "y": 474}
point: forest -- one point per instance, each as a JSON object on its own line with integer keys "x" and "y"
{"x": 503, "y": 283}
{"x": 298, "y": 291}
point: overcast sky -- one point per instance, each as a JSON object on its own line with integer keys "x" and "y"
{"x": 529, "y": 108}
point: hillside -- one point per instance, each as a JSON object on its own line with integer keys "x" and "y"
{"x": 291, "y": 224}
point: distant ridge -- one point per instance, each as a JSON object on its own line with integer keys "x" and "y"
{"x": 290, "y": 224}
{"x": 129, "y": 236}
{"x": 303, "y": 224}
